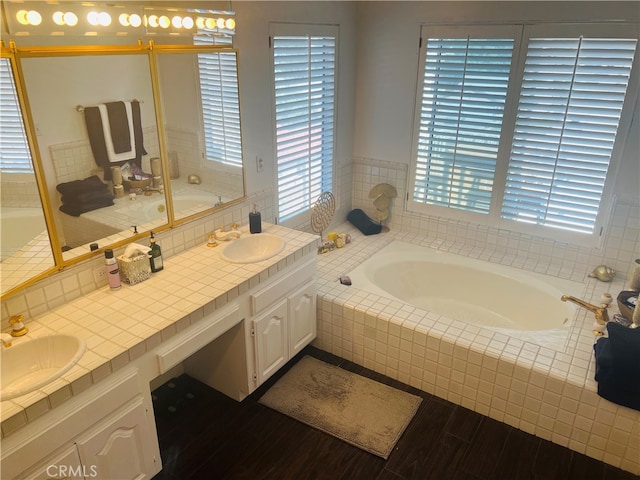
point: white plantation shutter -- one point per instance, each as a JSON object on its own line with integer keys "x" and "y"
{"x": 572, "y": 94}
{"x": 460, "y": 120}
{"x": 220, "y": 102}
{"x": 15, "y": 156}
{"x": 304, "y": 68}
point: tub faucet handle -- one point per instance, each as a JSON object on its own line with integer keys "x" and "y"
{"x": 17, "y": 327}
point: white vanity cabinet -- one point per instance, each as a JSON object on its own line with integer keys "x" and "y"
{"x": 279, "y": 320}
{"x": 284, "y": 320}
{"x": 106, "y": 432}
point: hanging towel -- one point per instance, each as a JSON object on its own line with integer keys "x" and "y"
{"x": 95, "y": 131}
{"x": 117, "y": 128}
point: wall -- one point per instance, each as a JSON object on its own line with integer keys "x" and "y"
{"x": 387, "y": 66}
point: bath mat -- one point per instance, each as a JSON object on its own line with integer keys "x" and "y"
{"x": 360, "y": 411}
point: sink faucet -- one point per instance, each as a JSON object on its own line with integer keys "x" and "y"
{"x": 602, "y": 316}
{"x": 223, "y": 235}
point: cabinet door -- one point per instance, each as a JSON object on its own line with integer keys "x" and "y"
{"x": 302, "y": 318}
{"x": 64, "y": 464}
{"x": 270, "y": 330}
{"x": 122, "y": 446}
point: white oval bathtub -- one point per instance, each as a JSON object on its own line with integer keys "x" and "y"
{"x": 466, "y": 289}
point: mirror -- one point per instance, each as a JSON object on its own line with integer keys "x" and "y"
{"x": 82, "y": 147}
{"x": 201, "y": 127}
{"x": 25, "y": 247}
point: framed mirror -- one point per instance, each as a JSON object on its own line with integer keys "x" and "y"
{"x": 97, "y": 137}
{"x": 201, "y": 113}
{"x": 25, "y": 247}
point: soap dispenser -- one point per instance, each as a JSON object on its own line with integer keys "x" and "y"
{"x": 155, "y": 255}
{"x": 255, "y": 220}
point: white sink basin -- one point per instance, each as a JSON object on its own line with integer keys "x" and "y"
{"x": 252, "y": 248}
{"x": 32, "y": 363}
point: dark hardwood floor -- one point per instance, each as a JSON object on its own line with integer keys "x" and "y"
{"x": 206, "y": 435}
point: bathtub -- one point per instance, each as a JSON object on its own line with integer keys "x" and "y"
{"x": 521, "y": 304}
{"x": 19, "y": 226}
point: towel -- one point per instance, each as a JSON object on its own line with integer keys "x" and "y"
{"x": 80, "y": 196}
{"x": 360, "y": 220}
{"x": 115, "y": 123}
{"x": 95, "y": 130}
{"x": 618, "y": 365}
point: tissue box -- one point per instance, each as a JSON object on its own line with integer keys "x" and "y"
{"x": 134, "y": 270}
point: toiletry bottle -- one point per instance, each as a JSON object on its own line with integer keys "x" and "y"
{"x": 155, "y": 255}
{"x": 255, "y": 221}
{"x": 113, "y": 274}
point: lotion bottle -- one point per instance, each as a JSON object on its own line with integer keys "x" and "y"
{"x": 111, "y": 265}
{"x": 255, "y": 221}
{"x": 155, "y": 255}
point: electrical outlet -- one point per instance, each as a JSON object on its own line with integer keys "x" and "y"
{"x": 259, "y": 164}
{"x": 100, "y": 275}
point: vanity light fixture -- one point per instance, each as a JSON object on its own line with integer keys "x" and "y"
{"x": 103, "y": 18}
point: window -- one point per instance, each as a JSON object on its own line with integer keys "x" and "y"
{"x": 304, "y": 67}
{"x": 15, "y": 156}
{"x": 527, "y": 144}
{"x": 220, "y": 102}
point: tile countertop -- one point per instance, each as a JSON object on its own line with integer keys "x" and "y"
{"x": 120, "y": 326}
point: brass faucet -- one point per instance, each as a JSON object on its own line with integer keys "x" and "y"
{"x": 17, "y": 327}
{"x": 602, "y": 316}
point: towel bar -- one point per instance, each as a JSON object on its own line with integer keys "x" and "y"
{"x": 80, "y": 108}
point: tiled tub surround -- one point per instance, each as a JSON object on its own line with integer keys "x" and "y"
{"x": 542, "y": 391}
{"x": 121, "y": 326}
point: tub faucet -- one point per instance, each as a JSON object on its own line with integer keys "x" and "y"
{"x": 149, "y": 191}
{"x": 602, "y": 316}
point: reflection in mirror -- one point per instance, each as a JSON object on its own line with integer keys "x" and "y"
{"x": 25, "y": 250}
{"x": 202, "y": 127}
{"x": 98, "y": 143}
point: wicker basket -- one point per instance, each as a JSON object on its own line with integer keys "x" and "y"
{"x": 134, "y": 270}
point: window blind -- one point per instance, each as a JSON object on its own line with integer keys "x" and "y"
{"x": 15, "y": 156}
{"x": 463, "y": 99}
{"x": 571, "y": 99}
{"x": 220, "y": 103}
{"x": 304, "y": 81}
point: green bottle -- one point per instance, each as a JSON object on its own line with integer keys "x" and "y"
{"x": 155, "y": 255}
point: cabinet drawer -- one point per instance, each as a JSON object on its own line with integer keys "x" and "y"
{"x": 279, "y": 288}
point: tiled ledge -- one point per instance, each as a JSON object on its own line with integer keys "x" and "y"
{"x": 120, "y": 326}
{"x": 546, "y": 392}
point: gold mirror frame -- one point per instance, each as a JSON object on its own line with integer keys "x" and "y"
{"x": 17, "y": 54}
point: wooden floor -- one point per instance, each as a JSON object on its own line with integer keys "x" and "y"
{"x": 205, "y": 435}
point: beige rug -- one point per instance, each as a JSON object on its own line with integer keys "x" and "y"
{"x": 360, "y": 411}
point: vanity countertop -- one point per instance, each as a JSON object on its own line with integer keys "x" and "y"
{"x": 122, "y": 325}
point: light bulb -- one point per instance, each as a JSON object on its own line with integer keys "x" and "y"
{"x": 164, "y": 21}
{"x": 135, "y": 20}
{"x": 153, "y": 21}
{"x": 210, "y": 23}
{"x": 200, "y": 23}
{"x": 230, "y": 24}
{"x": 34, "y": 18}
{"x": 70, "y": 19}
{"x": 58, "y": 18}
{"x": 220, "y": 23}
{"x": 187, "y": 22}
{"x": 92, "y": 18}
{"x": 124, "y": 19}
{"x": 21, "y": 17}
{"x": 104, "y": 19}
{"x": 176, "y": 21}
